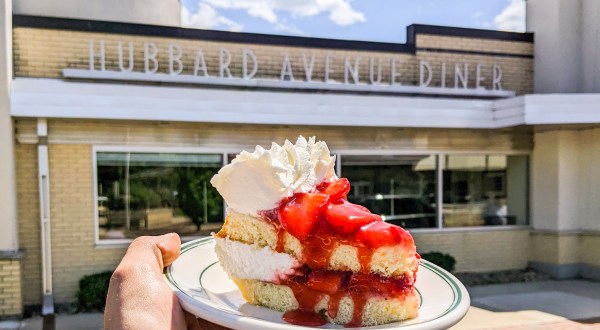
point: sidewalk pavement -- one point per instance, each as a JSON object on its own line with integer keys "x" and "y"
{"x": 83, "y": 321}
{"x": 540, "y": 305}
{"x": 553, "y": 305}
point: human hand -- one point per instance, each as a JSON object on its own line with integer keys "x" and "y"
{"x": 139, "y": 298}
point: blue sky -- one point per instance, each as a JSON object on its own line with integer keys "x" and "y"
{"x": 373, "y": 20}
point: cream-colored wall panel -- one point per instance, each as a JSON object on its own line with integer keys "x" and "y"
{"x": 479, "y": 251}
{"x": 589, "y": 249}
{"x": 29, "y": 222}
{"x": 234, "y": 138}
{"x": 74, "y": 253}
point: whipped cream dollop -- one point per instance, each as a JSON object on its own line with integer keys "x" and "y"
{"x": 259, "y": 180}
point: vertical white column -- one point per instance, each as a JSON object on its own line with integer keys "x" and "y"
{"x": 439, "y": 174}
{"x": 45, "y": 229}
{"x": 9, "y": 239}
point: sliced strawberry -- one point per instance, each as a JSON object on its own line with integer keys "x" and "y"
{"x": 381, "y": 233}
{"x": 324, "y": 281}
{"x": 346, "y": 217}
{"x": 336, "y": 189}
{"x": 300, "y": 213}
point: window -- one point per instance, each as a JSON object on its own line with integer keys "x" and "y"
{"x": 154, "y": 193}
{"x": 484, "y": 190}
{"x": 475, "y": 190}
{"x": 400, "y": 188}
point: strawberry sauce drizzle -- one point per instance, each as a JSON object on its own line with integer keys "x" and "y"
{"x": 304, "y": 318}
{"x": 310, "y": 287}
{"x": 322, "y": 220}
{"x": 280, "y": 240}
{"x": 364, "y": 257}
{"x": 334, "y": 304}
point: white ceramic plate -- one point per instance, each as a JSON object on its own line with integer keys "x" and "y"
{"x": 205, "y": 290}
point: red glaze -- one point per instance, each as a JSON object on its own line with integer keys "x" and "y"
{"x": 280, "y": 240}
{"x": 324, "y": 281}
{"x": 360, "y": 301}
{"x": 334, "y": 304}
{"x": 364, "y": 257}
{"x": 304, "y": 318}
{"x": 322, "y": 220}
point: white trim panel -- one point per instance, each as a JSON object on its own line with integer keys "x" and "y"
{"x": 52, "y": 98}
{"x": 59, "y": 99}
{"x": 550, "y": 109}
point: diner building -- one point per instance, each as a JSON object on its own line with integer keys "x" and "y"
{"x": 484, "y": 144}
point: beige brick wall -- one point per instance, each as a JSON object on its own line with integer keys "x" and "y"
{"x": 474, "y": 44}
{"x": 566, "y": 248}
{"x": 517, "y": 72}
{"x": 74, "y": 253}
{"x": 479, "y": 251}
{"x": 10, "y": 288}
{"x": 234, "y": 138}
{"x": 29, "y": 221}
{"x": 45, "y": 52}
{"x": 589, "y": 249}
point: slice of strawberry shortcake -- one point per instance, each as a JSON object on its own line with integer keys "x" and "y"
{"x": 292, "y": 242}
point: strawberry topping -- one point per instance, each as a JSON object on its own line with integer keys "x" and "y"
{"x": 327, "y": 211}
{"x": 381, "y": 233}
{"x": 335, "y": 189}
{"x": 346, "y": 217}
{"x": 300, "y": 213}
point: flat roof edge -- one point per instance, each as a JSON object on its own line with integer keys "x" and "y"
{"x": 263, "y": 39}
{"x": 450, "y": 31}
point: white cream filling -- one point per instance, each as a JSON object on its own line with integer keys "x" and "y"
{"x": 250, "y": 261}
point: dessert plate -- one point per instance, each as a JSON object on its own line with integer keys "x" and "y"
{"x": 205, "y": 290}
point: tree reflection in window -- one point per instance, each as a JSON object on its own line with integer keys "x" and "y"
{"x": 154, "y": 193}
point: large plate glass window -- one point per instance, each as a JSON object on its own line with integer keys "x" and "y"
{"x": 143, "y": 193}
{"x": 400, "y": 188}
{"x": 485, "y": 190}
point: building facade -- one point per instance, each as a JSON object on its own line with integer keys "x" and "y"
{"x": 115, "y": 129}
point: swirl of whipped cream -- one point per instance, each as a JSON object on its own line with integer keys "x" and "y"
{"x": 258, "y": 181}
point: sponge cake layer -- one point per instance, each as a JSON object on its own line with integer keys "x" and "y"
{"x": 377, "y": 310}
{"x": 389, "y": 261}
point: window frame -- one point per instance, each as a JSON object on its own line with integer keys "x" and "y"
{"x": 124, "y": 242}
{"x": 440, "y": 154}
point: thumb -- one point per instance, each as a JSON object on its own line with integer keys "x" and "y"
{"x": 169, "y": 246}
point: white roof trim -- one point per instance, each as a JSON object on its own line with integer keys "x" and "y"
{"x": 52, "y": 98}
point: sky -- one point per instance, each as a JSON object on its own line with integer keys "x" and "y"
{"x": 371, "y": 20}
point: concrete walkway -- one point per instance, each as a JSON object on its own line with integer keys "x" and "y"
{"x": 569, "y": 305}
{"x": 83, "y": 321}
{"x": 574, "y": 300}
{"x": 535, "y": 305}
